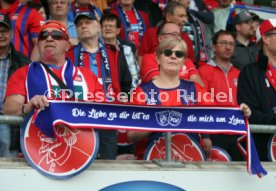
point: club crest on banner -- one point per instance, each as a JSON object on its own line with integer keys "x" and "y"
{"x": 165, "y": 118}
{"x": 272, "y": 148}
{"x": 61, "y": 157}
{"x": 184, "y": 148}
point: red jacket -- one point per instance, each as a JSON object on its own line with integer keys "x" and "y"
{"x": 149, "y": 68}
{"x": 149, "y": 43}
{"x": 73, "y": 55}
{"x": 222, "y": 85}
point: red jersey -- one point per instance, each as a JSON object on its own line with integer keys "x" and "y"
{"x": 222, "y": 85}
{"x": 134, "y": 23}
{"x": 26, "y": 23}
{"x": 149, "y": 43}
{"x": 149, "y": 68}
{"x": 93, "y": 62}
{"x": 85, "y": 83}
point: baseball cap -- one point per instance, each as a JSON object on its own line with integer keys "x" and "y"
{"x": 86, "y": 14}
{"x": 242, "y": 17}
{"x": 56, "y": 25}
{"x": 5, "y": 20}
{"x": 266, "y": 26}
{"x": 256, "y": 17}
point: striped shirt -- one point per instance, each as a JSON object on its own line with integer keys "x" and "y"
{"x": 25, "y": 24}
{"x": 4, "y": 67}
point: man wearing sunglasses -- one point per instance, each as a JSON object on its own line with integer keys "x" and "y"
{"x": 52, "y": 77}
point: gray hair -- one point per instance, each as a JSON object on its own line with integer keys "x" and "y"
{"x": 171, "y": 6}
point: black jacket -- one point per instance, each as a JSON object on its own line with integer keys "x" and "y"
{"x": 123, "y": 71}
{"x": 203, "y": 13}
{"x": 255, "y": 90}
{"x": 17, "y": 60}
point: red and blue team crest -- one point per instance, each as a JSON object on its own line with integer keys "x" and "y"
{"x": 172, "y": 118}
{"x": 272, "y": 148}
{"x": 58, "y": 158}
{"x": 184, "y": 148}
{"x": 219, "y": 155}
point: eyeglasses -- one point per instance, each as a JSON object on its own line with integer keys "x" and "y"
{"x": 225, "y": 43}
{"x": 177, "y": 53}
{"x": 56, "y": 35}
{"x": 109, "y": 26}
{"x": 174, "y": 34}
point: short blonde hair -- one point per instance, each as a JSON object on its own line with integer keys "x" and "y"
{"x": 170, "y": 43}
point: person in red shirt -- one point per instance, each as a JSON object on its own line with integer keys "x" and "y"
{"x": 52, "y": 77}
{"x": 167, "y": 89}
{"x": 134, "y": 23}
{"x": 221, "y": 79}
{"x": 81, "y": 6}
{"x": 170, "y": 56}
{"x": 175, "y": 13}
{"x": 220, "y": 75}
{"x": 30, "y": 86}
{"x": 149, "y": 67}
{"x": 26, "y": 22}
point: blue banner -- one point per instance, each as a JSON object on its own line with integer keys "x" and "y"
{"x": 211, "y": 120}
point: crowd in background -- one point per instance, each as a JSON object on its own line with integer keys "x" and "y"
{"x": 218, "y": 46}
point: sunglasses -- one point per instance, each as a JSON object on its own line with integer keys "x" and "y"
{"x": 177, "y": 53}
{"x": 56, "y": 35}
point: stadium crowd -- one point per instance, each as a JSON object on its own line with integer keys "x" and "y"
{"x": 121, "y": 45}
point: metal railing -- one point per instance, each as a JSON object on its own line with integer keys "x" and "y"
{"x": 11, "y": 119}
{"x": 16, "y": 120}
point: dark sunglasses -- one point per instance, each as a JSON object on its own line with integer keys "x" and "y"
{"x": 56, "y": 35}
{"x": 177, "y": 53}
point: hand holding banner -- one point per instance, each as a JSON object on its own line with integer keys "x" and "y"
{"x": 84, "y": 115}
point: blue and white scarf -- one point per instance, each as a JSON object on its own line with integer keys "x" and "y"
{"x": 210, "y": 120}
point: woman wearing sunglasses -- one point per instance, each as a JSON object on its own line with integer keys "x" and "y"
{"x": 168, "y": 90}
